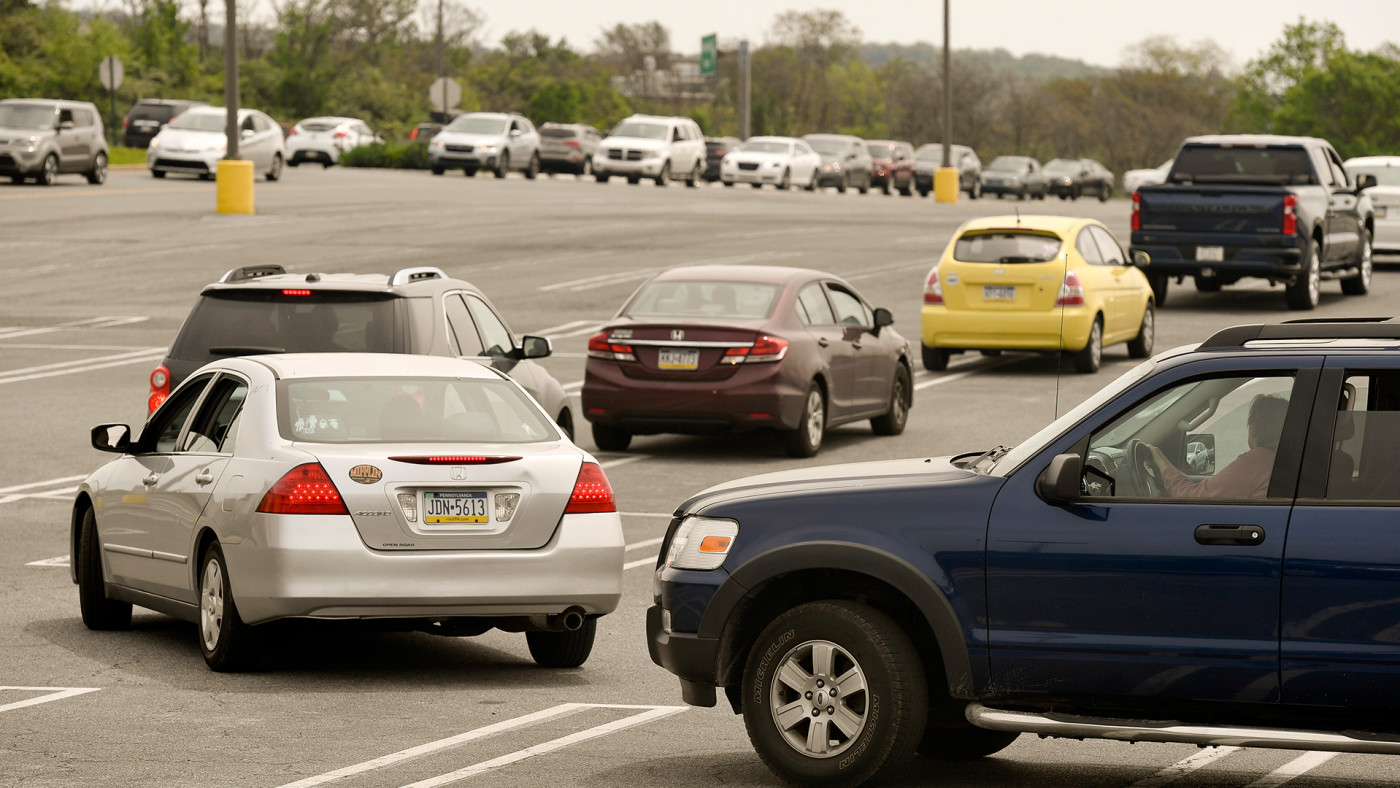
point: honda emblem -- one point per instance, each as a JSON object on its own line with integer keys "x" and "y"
{"x": 677, "y": 334}
{"x": 459, "y": 473}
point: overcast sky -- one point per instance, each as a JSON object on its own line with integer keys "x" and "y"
{"x": 1092, "y": 30}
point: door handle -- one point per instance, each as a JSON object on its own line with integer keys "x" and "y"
{"x": 204, "y": 477}
{"x": 1229, "y": 534}
{"x": 823, "y": 342}
{"x": 151, "y": 478}
{"x": 855, "y": 345}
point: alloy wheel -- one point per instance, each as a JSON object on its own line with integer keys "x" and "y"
{"x": 816, "y": 417}
{"x": 819, "y": 699}
{"x": 211, "y": 605}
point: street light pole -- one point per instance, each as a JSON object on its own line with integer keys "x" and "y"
{"x": 233, "y": 187}
{"x": 945, "y": 180}
{"x": 231, "y": 77}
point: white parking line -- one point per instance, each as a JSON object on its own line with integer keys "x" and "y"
{"x": 46, "y": 483}
{"x": 629, "y": 548}
{"x": 650, "y": 715}
{"x": 927, "y": 262}
{"x": 145, "y": 355}
{"x": 555, "y": 330}
{"x": 603, "y": 280}
{"x": 1185, "y": 766}
{"x": 1294, "y": 768}
{"x": 941, "y": 379}
{"x": 107, "y": 321}
{"x": 639, "y": 562}
{"x": 59, "y": 693}
{"x": 623, "y": 461}
{"x": 58, "y": 561}
{"x": 573, "y": 386}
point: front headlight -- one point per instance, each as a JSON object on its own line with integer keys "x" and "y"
{"x": 701, "y": 543}
{"x": 772, "y": 164}
{"x": 487, "y": 148}
{"x": 439, "y": 144}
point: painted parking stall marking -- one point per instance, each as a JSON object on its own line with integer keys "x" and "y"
{"x": 1293, "y": 769}
{"x": 61, "y": 488}
{"x": 51, "y": 694}
{"x": 139, "y": 356}
{"x": 1185, "y": 766}
{"x": 107, "y": 321}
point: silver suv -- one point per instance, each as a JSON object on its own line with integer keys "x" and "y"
{"x": 494, "y": 141}
{"x": 43, "y": 138}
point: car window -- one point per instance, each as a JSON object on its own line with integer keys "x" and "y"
{"x": 849, "y": 309}
{"x": 163, "y": 430}
{"x": 1213, "y": 438}
{"x": 209, "y": 432}
{"x": 682, "y": 298}
{"x": 1108, "y": 247}
{"x": 1365, "y": 462}
{"x": 1339, "y": 173}
{"x": 461, "y": 329}
{"x": 1087, "y": 248}
{"x": 815, "y": 306}
{"x": 1324, "y": 172}
{"x": 494, "y": 334}
{"x": 236, "y": 322}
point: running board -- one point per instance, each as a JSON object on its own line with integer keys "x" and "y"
{"x": 1070, "y": 726}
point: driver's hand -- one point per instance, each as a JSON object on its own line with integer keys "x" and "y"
{"x": 1158, "y": 458}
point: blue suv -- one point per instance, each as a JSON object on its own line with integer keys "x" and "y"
{"x": 1205, "y": 551}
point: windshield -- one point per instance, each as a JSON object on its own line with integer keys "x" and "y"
{"x": 646, "y": 131}
{"x": 767, "y": 147}
{"x": 558, "y": 132}
{"x": 827, "y": 147}
{"x": 475, "y": 124}
{"x": 1006, "y": 248}
{"x": 198, "y": 121}
{"x": 1063, "y": 166}
{"x": 318, "y": 125}
{"x": 703, "y": 299}
{"x": 881, "y": 151}
{"x": 1010, "y": 164}
{"x": 244, "y": 322}
{"x": 408, "y": 410}
{"x": 28, "y": 116}
{"x": 1217, "y": 164}
{"x": 1385, "y": 176}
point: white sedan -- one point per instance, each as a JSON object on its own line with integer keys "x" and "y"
{"x": 781, "y": 161}
{"x": 429, "y": 492}
{"x": 1385, "y": 198}
{"x": 1136, "y": 179}
{"x": 194, "y": 142}
{"x": 324, "y": 139}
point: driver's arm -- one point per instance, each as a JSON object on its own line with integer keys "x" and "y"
{"x": 1246, "y": 477}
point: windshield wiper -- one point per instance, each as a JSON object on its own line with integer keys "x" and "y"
{"x": 244, "y": 350}
{"x": 990, "y": 454}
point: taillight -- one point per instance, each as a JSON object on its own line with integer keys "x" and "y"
{"x": 413, "y": 135}
{"x": 293, "y": 132}
{"x": 1290, "y": 214}
{"x": 592, "y": 493}
{"x": 160, "y": 388}
{"x": 340, "y": 135}
{"x": 1071, "y": 292}
{"x": 455, "y": 459}
{"x": 933, "y": 289}
{"x": 305, "y": 489}
{"x": 126, "y": 123}
{"x": 1137, "y": 211}
{"x": 600, "y": 345}
{"x": 572, "y": 143}
{"x": 765, "y": 348}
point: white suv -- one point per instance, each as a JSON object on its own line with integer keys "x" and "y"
{"x": 650, "y": 146}
{"x": 495, "y": 141}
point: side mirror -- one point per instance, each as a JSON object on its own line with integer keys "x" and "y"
{"x": 514, "y": 133}
{"x": 65, "y": 125}
{"x": 883, "y": 317}
{"x": 1200, "y": 453}
{"x": 246, "y": 133}
{"x": 1062, "y": 481}
{"x": 115, "y": 438}
{"x": 1140, "y": 258}
{"x": 535, "y": 347}
{"x": 1364, "y": 181}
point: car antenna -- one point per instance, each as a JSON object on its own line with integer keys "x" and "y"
{"x": 1018, "y": 214}
{"x": 1060, "y": 356}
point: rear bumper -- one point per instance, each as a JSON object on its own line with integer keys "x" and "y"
{"x": 1002, "y": 188}
{"x": 561, "y": 162}
{"x": 754, "y": 397}
{"x": 314, "y": 153}
{"x": 1265, "y": 257}
{"x": 317, "y": 566}
{"x": 1387, "y": 234}
{"x": 970, "y": 329}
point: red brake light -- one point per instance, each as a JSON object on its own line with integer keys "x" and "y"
{"x": 126, "y": 123}
{"x": 341, "y": 135}
{"x": 1137, "y": 211}
{"x": 413, "y": 135}
{"x": 933, "y": 289}
{"x": 455, "y": 460}
{"x": 293, "y": 132}
{"x": 296, "y": 292}
{"x": 600, "y": 345}
{"x": 767, "y": 348}
{"x": 592, "y": 493}
{"x": 572, "y": 143}
{"x": 305, "y": 489}
{"x": 1071, "y": 292}
{"x": 1290, "y": 214}
{"x": 160, "y": 388}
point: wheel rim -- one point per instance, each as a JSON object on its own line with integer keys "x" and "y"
{"x": 1314, "y": 279}
{"x": 816, "y": 418}
{"x": 1365, "y": 260}
{"x": 276, "y": 167}
{"x": 819, "y": 699}
{"x": 898, "y": 408}
{"x": 587, "y": 166}
{"x": 100, "y": 168}
{"x": 50, "y": 169}
{"x": 1096, "y": 344}
{"x": 211, "y": 607}
{"x": 1148, "y": 327}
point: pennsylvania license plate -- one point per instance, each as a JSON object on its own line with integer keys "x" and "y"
{"x": 1210, "y": 254}
{"x": 1379, "y": 211}
{"x": 991, "y": 293}
{"x": 678, "y": 359}
{"x": 454, "y": 507}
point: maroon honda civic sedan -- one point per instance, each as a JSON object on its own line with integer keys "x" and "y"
{"x": 717, "y": 349}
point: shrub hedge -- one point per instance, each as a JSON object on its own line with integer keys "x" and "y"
{"x": 388, "y": 155}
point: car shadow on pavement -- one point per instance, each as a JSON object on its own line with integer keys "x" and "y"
{"x": 725, "y": 448}
{"x": 309, "y": 656}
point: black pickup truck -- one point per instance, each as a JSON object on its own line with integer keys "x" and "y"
{"x": 1277, "y": 208}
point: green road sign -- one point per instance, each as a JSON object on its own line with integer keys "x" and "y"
{"x": 708, "y": 50}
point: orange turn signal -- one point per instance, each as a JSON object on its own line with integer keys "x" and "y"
{"x": 715, "y": 544}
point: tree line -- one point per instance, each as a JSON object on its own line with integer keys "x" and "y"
{"x": 374, "y": 59}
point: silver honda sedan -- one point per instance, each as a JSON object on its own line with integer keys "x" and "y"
{"x": 427, "y": 490}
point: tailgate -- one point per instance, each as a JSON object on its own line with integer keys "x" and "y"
{"x": 1251, "y": 210}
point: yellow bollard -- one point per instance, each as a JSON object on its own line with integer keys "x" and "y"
{"x": 945, "y": 184}
{"x": 233, "y": 183}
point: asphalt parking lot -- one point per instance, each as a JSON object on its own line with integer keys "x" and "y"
{"x": 96, "y": 280}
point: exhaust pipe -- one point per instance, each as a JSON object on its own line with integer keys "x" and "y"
{"x": 571, "y": 620}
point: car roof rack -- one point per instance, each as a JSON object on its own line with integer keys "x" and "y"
{"x": 251, "y": 272}
{"x": 405, "y": 276}
{"x": 1308, "y": 328}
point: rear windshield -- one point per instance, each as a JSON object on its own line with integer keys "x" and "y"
{"x": 249, "y": 322}
{"x": 767, "y": 147}
{"x": 1215, "y": 164}
{"x": 703, "y": 299}
{"x": 408, "y": 410}
{"x": 317, "y": 125}
{"x": 558, "y": 132}
{"x": 1385, "y": 176}
{"x": 881, "y": 151}
{"x": 1006, "y": 248}
{"x": 154, "y": 111}
{"x": 715, "y": 145}
{"x": 40, "y": 117}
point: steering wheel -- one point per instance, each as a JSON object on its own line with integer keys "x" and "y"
{"x": 1146, "y": 475}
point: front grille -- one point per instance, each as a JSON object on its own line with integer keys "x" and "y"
{"x": 634, "y": 155}
{"x": 614, "y": 153}
{"x": 748, "y": 165}
{"x": 6, "y": 160}
{"x": 461, "y": 148}
{"x": 176, "y": 164}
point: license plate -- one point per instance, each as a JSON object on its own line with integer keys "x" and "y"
{"x": 991, "y": 293}
{"x": 453, "y": 507}
{"x": 1379, "y": 211}
{"x": 1210, "y": 254}
{"x": 678, "y": 359}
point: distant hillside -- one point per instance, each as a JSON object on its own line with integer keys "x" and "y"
{"x": 1000, "y": 61}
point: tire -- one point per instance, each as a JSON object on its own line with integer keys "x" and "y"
{"x": 227, "y": 643}
{"x": 756, "y": 185}
{"x": 885, "y": 188}
{"x": 728, "y": 184}
{"x": 502, "y": 166}
{"x": 438, "y": 170}
{"x": 276, "y": 172}
{"x": 17, "y": 180}
{"x": 48, "y": 173}
{"x": 693, "y": 182}
{"x": 158, "y": 174}
{"x": 587, "y": 169}
{"x": 1105, "y": 192}
{"x": 901, "y": 398}
{"x": 806, "y": 440}
{"x": 99, "y": 612}
{"x": 964, "y": 743}
{"x": 532, "y": 170}
{"x": 326, "y": 165}
{"x": 1303, "y": 294}
{"x": 1160, "y": 284}
{"x": 633, "y": 180}
{"x": 611, "y": 438}
{"x": 1140, "y": 346}
{"x": 206, "y": 176}
{"x": 1088, "y": 360}
{"x": 565, "y": 422}
{"x": 865, "y": 187}
{"x": 1076, "y": 194}
{"x": 936, "y": 358}
{"x": 923, "y": 192}
{"x": 907, "y": 191}
{"x": 1021, "y": 195}
{"x": 786, "y": 182}
{"x": 471, "y": 172}
{"x": 1064, "y": 197}
{"x": 844, "y": 184}
{"x": 563, "y": 649}
{"x": 98, "y": 174}
{"x": 1361, "y": 283}
{"x": 293, "y": 163}
{"x": 812, "y": 184}
{"x": 1208, "y": 284}
{"x": 664, "y": 177}
{"x": 976, "y": 191}
{"x": 601, "y": 177}
{"x": 816, "y": 647}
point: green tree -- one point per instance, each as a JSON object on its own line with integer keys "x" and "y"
{"x": 1306, "y": 47}
{"x": 1352, "y": 103}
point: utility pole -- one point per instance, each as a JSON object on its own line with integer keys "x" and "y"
{"x": 233, "y": 187}
{"x": 946, "y": 179}
{"x": 745, "y": 95}
{"x": 442, "y": 58}
{"x": 231, "y": 77}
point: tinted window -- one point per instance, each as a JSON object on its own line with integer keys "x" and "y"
{"x": 210, "y": 431}
{"x": 815, "y": 309}
{"x": 317, "y": 125}
{"x": 153, "y": 112}
{"x": 1365, "y": 462}
{"x": 849, "y": 310}
{"x": 1006, "y": 248}
{"x": 558, "y": 132}
{"x": 237, "y": 323}
{"x": 461, "y": 328}
{"x": 163, "y": 430}
{"x": 703, "y": 299}
{"x": 494, "y": 333}
{"x": 1211, "y": 164}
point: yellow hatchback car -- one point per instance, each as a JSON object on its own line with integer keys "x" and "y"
{"x": 1046, "y": 283}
